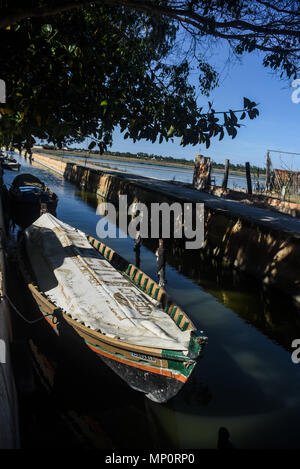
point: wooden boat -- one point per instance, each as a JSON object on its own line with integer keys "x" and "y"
{"x": 121, "y": 314}
{"x": 28, "y": 199}
{"x": 10, "y": 163}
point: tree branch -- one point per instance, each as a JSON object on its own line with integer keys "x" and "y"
{"x": 206, "y": 25}
{"x": 10, "y": 16}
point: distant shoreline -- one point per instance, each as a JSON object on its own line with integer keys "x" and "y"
{"x": 74, "y": 154}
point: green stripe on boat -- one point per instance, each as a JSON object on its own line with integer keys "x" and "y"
{"x": 184, "y": 368}
{"x": 150, "y": 288}
{"x": 173, "y": 364}
{"x": 178, "y": 320}
{"x": 133, "y": 274}
{"x": 173, "y": 355}
{"x": 145, "y": 284}
{"x": 139, "y": 279}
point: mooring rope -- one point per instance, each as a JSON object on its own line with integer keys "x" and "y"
{"x": 20, "y": 314}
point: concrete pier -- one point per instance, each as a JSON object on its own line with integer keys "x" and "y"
{"x": 263, "y": 243}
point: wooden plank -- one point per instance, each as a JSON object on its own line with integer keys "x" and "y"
{"x": 268, "y": 172}
{"x": 42, "y": 300}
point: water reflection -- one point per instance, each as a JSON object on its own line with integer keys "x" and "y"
{"x": 137, "y": 250}
{"x": 258, "y": 305}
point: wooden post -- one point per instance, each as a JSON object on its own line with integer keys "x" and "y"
{"x": 196, "y": 171}
{"x": 225, "y": 180}
{"x": 268, "y": 172}
{"x": 208, "y": 181}
{"x": 161, "y": 263}
{"x": 248, "y": 176}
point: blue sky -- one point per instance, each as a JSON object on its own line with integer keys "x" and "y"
{"x": 276, "y": 128}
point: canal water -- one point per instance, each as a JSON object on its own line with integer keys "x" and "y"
{"x": 245, "y": 381}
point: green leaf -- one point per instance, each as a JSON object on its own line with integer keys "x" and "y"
{"x": 171, "y": 131}
{"x": 47, "y": 29}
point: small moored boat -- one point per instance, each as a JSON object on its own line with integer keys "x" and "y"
{"x": 9, "y": 163}
{"x": 121, "y": 314}
{"x": 28, "y": 199}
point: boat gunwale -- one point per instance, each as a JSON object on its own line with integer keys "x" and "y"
{"x": 155, "y": 352}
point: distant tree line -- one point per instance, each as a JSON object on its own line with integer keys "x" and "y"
{"x": 165, "y": 159}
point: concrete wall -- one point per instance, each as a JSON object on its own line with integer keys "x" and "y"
{"x": 55, "y": 164}
{"x": 268, "y": 255}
